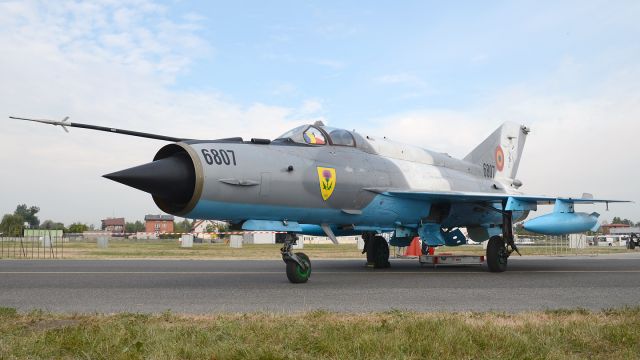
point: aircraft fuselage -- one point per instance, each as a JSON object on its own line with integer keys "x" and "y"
{"x": 238, "y": 181}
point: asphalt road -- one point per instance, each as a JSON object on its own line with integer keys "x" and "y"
{"x": 194, "y": 286}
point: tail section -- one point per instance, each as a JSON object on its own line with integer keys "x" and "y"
{"x": 500, "y": 153}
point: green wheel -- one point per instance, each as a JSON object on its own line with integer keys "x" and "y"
{"x": 497, "y": 254}
{"x": 295, "y": 273}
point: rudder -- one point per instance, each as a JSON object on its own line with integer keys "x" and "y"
{"x": 500, "y": 153}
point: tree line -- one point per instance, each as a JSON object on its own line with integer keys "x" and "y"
{"x": 618, "y": 220}
{"x": 26, "y": 217}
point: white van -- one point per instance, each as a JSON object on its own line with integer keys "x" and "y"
{"x": 603, "y": 240}
{"x": 612, "y": 240}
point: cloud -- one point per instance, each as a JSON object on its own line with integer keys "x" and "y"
{"x": 310, "y": 107}
{"x": 414, "y": 86}
{"x": 581, "y": 140}
{"x": 284, "y": 56}
{"x": 401, "y": 79}
{"x": 107, "y": 63}
{"x": 329, "y": 63}
{"x": 115, "y": 62}
{"x": 337, "y": 30}
{"x": 440, "y": 130}
{"x": 284, "y": 89}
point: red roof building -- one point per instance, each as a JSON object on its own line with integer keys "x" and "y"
{"x": 606, "y": 228}
{"x": 158, "y": 224}
{"x": 113, "y": 225}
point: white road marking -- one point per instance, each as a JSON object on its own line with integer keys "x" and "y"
{"x": 426, "y": 272}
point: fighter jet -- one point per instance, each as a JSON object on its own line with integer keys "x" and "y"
{"x": 321, "y": 180}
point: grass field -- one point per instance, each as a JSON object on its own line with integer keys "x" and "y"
{"x": 570, "y": 334}
{"x": 170, "y": 249}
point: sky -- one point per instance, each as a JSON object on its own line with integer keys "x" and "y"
{"x": 439, "y": 75}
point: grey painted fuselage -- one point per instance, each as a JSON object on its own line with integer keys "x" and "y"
{"x": 280, "y": 182}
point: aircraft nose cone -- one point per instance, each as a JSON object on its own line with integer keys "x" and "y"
{"x": 171, "y": 179}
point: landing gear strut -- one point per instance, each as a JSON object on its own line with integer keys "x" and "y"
{"x": 633, "y": 239}
{"x": 426, "y": 249}
{"x": 500, "y": 248}
{"x": 377, "y": 250}
{"x": 298, "y": 264}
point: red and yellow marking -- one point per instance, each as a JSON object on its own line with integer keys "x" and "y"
{"x": 499, "y": 158}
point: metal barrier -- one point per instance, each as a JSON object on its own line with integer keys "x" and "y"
{"x": 565, "y": 245}
{"x": 32, "y": 247}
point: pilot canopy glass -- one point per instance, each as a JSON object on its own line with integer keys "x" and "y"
{"x": 318, "y": 135}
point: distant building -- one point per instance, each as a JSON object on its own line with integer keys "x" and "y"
{"x": 113, "y": 225}
{"x": 158, "y": 223}
{"x": 200, "y": 226}
{"x": 606, "y": 228}
{"x": 625, "y": 230}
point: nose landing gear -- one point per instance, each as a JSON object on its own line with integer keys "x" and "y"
{"x": 298, "y": 264}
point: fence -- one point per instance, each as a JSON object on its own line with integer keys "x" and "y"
{"x": 565, "y": 245}
{"x": 32, "y": 247}
{"x": 555, "y": 245}
{"x": 50, "y": 245}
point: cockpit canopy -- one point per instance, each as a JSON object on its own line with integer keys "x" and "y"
{"x": 318, "y": 134}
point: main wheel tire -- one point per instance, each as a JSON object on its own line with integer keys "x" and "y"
{"x": 497, "y": 254}
{"x": 370, "y": 251}
{"x": 295, "y": 273}
{"x": 631, "y": 244}
{"x": 380, "y": 253}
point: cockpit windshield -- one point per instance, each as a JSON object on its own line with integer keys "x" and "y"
{"x": 314, "y": 136}
{"x": 292, "y": 133}
{"x": 339, "y": 136}
{"x": 318, "y": 135}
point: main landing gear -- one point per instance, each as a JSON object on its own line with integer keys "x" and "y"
{"x": 500, "y": 248}
{"x": 377, "y": 250}
{"x": 298, "y": 264}
{"x": 633, "y": 241}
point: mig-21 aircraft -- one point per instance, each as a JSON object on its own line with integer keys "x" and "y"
{"x": 320, "y": 180}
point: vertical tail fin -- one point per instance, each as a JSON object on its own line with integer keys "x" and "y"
{"x": 502, "y": 150}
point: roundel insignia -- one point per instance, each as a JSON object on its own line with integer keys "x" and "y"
{"x": 499, "y": 158}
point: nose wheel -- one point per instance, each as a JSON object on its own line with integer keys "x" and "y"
{"x": 298, "y": 274}
{"x": 298, "y": 265}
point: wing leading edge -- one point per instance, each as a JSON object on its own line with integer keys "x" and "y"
{"x": 510, "y": 200}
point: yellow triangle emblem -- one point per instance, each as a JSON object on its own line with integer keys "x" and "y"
{"x": 327, "y": 177}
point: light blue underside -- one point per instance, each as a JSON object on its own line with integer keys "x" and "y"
{"x": 382, "y": 213}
